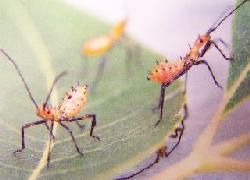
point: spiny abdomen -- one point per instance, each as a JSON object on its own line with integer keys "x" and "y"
{"x": 165, "y": 72}
{"x": 73, "y": 102}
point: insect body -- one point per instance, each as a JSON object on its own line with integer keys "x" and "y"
{"x": 167, "y": 72}
{"x": 71, "y": 106}
{"x": 101, "y": 45}
{"x": 98, "y": 46}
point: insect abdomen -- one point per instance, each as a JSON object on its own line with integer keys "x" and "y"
{"x": 73, "y": 102}
{"x": 166, "y": 71}
{"x": 97, "y": 46}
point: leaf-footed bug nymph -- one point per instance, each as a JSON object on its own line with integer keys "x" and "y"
{"x": 166, "y": 72}
{"x": 72, "y": 104}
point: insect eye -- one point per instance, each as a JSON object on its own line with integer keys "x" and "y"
{"x": 201, "y": 41}
{"x": 69, "y": 97}
{"x": 48, "y": 112}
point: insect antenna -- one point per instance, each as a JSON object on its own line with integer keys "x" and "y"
{"x": 222, "y": 14}
{"x": 53, "y": 85}
{"x": 21, "y": 76}
{"x": 212, "y": 29}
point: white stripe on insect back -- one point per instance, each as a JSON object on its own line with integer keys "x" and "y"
{"x": 73, "y": 102}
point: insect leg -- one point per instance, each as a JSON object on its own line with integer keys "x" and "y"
{"x": 72, "y": 136}
{"x": 100, "y": 71}
{"x": 158, "y": 155}
{"x": 163, "y": 151}
{"x": 50, "y": 136}
{"x": 47, "y": 126}
{"x": 222, "y": 42}
{"x": 221, "y": 52}
{"x": 161, "y": 102}
{"x": 180, "y": 130}
{"x": 209, "y": 68}
{"x": 93, "y": 124}
{"x": 23, "y": 139}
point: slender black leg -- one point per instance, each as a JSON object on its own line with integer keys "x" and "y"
{"x": 179, "y": 130}
{"x": 72, "y": 136}
{"x": 221, "y": 52}
{"x": 100, "y": 71}
{"x": 163, "y": 151}
{"x": 23, "y": 139}
{"x": 222, "y": 42}
{"x": 208, "y": 45}
{"x": 161, "y": 102}
{"x": 47, "y": 126}
{"x": 158, "y": 155}
{"x": 185, "y": 85}
{"x": 210, "y": 70}
{"x": 93, "y": 123}
{"x": 50, "y": 137}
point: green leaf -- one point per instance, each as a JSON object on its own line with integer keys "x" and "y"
{"x": 239, "y": 76}
{"x": 45, "y": 38}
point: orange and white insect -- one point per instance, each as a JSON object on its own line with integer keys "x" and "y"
{"x": 72, "y": 104}
{"x": 167, "y": 72}
{"x": 101, "y": 45}
{"x": 98, "y": 46}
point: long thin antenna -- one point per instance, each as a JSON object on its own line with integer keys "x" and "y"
{"x": 53, "y": 85}
{"x": 212, "y": 29}
{"x": 222, "y": 14}
{"x": 21, "y": 76}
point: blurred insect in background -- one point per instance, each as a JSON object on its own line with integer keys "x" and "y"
{"x": 72, "y": 104}
{"x": 166, "y": 72}
{"x": 101, "y": 45}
